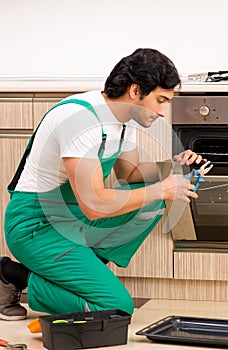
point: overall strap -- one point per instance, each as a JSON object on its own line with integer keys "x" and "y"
{"x": 122, "y": 137}
{"x": 102, "y": 146}
{"x": 20, "y": 168}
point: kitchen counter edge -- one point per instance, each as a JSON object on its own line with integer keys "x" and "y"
{"x": 78, "y": 85}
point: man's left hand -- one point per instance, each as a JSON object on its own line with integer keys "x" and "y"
{"x": 188, "y": 157}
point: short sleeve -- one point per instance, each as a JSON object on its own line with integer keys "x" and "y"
{"x": 79, "y": 135}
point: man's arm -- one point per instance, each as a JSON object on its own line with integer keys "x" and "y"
{"x": 96, "y": 201}
{"x": 128, "y": 168}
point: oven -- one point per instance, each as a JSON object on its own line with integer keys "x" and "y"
{"x": 200, "y": 123}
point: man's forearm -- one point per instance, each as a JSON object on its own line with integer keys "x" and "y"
{"x": 144, "y": 172}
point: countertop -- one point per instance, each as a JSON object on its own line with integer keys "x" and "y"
{"x": 50, "y": 83}
{"x": 86, "y": 83}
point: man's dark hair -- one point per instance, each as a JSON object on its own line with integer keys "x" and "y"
{"x": 146, "y": 67}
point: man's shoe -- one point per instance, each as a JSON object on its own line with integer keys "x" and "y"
{"x": 10, "y": 309}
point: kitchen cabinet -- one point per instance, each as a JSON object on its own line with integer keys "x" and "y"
{"x": 154, "y": 259}
{"x": 43, "y": 102}
{"x": 156, "y": 270}
{"x": 19, "y": 115}
{"x": 11, "y": 149}
{"x": 155, "y": 256}
{"x": 16, "y": 124}
{"x": 16, "y": 112}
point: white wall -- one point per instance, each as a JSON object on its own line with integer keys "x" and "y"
{"x": 54, "y": 37}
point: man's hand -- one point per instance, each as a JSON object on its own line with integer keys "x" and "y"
{"x": 188, "y": 157}
{"x": 176, "y": 187}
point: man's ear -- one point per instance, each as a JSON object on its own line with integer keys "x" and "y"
{"x": 134, "y": 91}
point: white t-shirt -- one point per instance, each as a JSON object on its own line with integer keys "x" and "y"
{"x": 71, "y": 130}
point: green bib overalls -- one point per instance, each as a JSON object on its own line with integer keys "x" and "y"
{"x": 65, "y": 251}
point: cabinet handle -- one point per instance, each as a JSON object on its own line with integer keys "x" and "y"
{"x": 15, "y": 135}
{"x": 15, "y": 99}
{"x": 47, "y": 99}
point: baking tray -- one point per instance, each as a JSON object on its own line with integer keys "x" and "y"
{"x": 188, "y": 330}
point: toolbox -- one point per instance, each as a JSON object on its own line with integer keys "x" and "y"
{"x": 84, "y": 330}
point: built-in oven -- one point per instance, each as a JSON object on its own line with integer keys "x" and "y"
{"x": 200, "y": 123}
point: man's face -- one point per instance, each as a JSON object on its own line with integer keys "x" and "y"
{"x": 145, "y": 111}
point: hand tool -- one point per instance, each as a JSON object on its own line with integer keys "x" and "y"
{"x": 200, "y": 173}
{"x": 3, "y": 342}
{"x": 9, "y": 346}
{"x": 16, "y": 346}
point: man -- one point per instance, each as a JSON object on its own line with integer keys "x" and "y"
{"x": 62, "y": 223}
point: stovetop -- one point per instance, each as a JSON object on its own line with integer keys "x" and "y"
{"x": 217, "y": 76}
{"x": 211, "y": 77}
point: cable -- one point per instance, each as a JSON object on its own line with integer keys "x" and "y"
{"x": 212, "y": 187}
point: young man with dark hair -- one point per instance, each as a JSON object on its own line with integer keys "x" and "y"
{"x": 62, "y": 223}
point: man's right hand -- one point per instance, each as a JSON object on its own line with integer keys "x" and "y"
{"x": 176, "y": 187}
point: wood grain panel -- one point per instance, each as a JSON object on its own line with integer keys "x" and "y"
{"x": 40, "y": 108}
{"x": 153, "y": 259}
{"x": 201, "y": 265}
{"x": 43, "y": 101}
{"x": 11, "y": 150}
{"x": 155, "y": 143}
{"x": 158, "y": 288}
{"x": 16, "y": 114}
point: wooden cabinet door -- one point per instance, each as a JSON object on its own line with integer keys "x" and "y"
{"x": 16, "y": 125}
{"x": 43, "y": 102}
{"x": 155, "y": 257}
{"x": 40, "y": 108}
{"x": 11, "y": 150}
{"x": 16, "y": 113}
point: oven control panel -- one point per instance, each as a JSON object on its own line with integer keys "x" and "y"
{"x": 200, "y": 110}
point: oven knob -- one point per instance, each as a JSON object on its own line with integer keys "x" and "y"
{"x": 204, "y": 111}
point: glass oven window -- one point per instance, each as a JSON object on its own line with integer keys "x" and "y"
{"x": 210, "y": 210}
{"x": 212, "y": 148}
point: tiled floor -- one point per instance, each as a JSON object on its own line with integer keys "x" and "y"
{"x": 152, "y": 311}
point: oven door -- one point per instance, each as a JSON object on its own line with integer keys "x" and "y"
{"x": 211, "y": 141}
{"x": 205, "y": 219}
{"x": 206, "y": 135}
{"x": 210, "y": 209}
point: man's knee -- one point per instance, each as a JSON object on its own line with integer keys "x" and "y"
{"x": 126, "y": 304}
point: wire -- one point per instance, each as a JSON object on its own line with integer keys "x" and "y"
{"x": 212, "y": 187}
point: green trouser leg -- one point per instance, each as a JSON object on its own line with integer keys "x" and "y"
{"x": 81, "y": 278}
{"x": 66, "y": 276}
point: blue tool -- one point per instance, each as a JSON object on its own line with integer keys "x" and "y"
{"x": 199, "y": 173}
